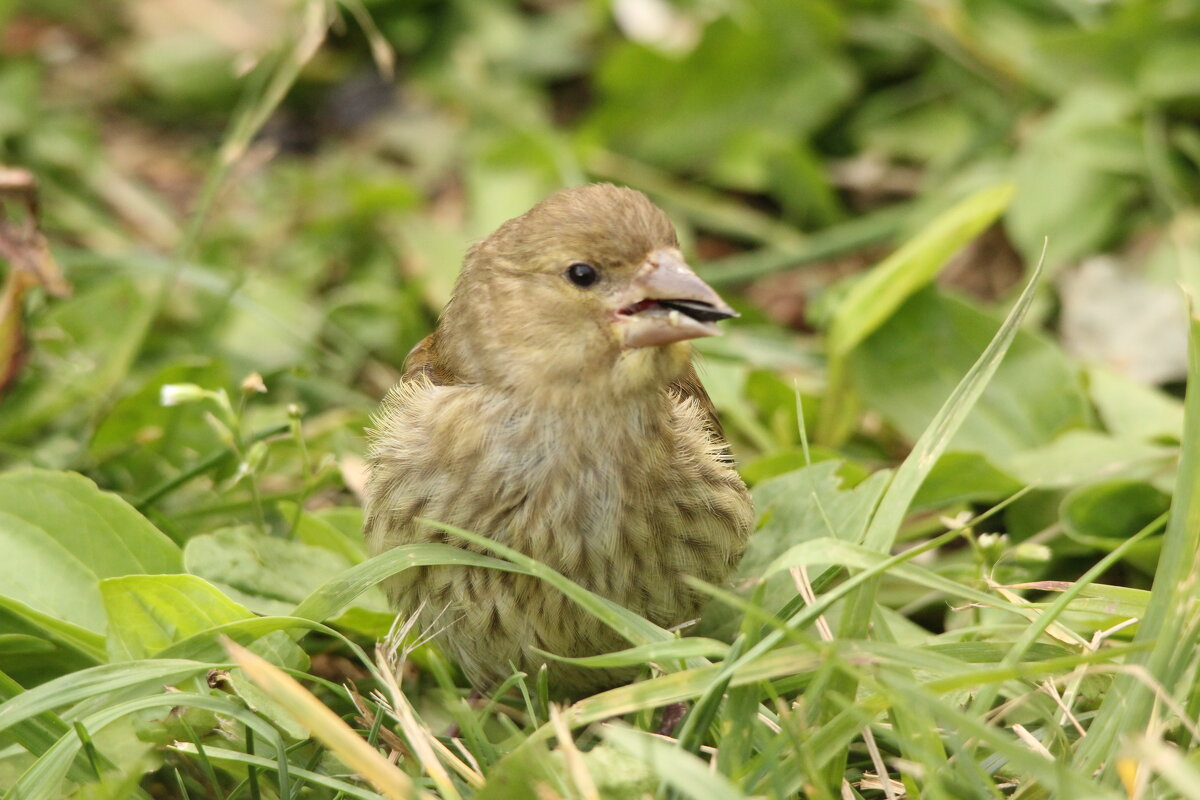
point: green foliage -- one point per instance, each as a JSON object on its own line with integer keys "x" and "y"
{"x": 931, "y": 341}
{"x": 974, "y": 573}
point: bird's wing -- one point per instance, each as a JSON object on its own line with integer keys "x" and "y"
{"x": 689, "y": 387}
{"x": 422, "y": 368}
{"x": 423, "y": 362}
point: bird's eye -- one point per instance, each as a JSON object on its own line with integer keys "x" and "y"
{"x": 582, "y": 274}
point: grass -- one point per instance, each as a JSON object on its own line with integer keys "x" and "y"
{"x": 952, "y": 592}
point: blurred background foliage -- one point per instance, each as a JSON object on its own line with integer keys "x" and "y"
{"x": 314, "y": 240}
{"x": 287, "y": 187}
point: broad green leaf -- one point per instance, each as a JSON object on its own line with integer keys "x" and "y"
{"x": 184, "y": 617}
{"x": 775, "y": 66}
{"x": 267, "y": 574}
{"x": 23, "y": 644}
{"x": 1075, "y": 176}
{"x": 347, "y": 519}
{"x": 1112, "y": 510}
{"x": 725, "y": 381}
{"x": 761, "y": 346}
{"x": 67, "y": 646}
{"x": 251, "y": 633}
{"x": 77, "y": 362}
{"x": 317, "y": 532}
{"x": 964, "y": 478}
{"x": 1167, "y": 71}
{"x": 437, "y": 251}
{"x": 1131, "y": 410}
{"x": 878, "y": 295}
{"x": 96, "y": 528}
{"x": 1087, "y": 456}
{"x": 796, "y": 507}
{"x": 149, "y": 613}
{"x": 269, "y": 326}
{"x": 932, "y": 341}
{"x": 679, "y": 769}
{"x": 63, "y": 536}
{"x": 889, "y": 123}
{"x": 810, "y": 503}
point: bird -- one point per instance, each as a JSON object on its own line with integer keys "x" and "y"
{"x": 555, "y": 409}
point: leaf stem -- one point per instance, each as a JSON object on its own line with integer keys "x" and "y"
{"x": 211, "y": 461}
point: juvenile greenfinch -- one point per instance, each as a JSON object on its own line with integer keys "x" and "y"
{"x": 555, "y": 410}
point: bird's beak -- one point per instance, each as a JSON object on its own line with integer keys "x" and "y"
{"x": 667, "y": 302}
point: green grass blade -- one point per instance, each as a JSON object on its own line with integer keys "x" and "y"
{"x": 96, "y": 681}
{"x": 835, "y": 551}
{"x": 1057, "y": 778}
{"x": 1127, "y": 707}
{"x": 889, "y": 516}
{"x": 685, "y": 685}
{"x": 44, "y": 776}
{"x": 984, "y": 699}
{"x": 875, "y": 297}
{"x": 881, "y": 291}
{"x": 336, "y": 594}
{"x": 691, "y": 647}
{"x": 636, "y": 629}
{"x": 308, "y": 776}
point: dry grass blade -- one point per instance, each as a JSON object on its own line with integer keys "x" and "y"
{"x": 389, "y": 656}
{"x": 25, "y": 249}
{"x": 325, "y": 725}
{"x": 381, "y": 50}
{"x": 576, "y": 769}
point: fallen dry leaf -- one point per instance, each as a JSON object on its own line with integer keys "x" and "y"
{"x": 30, "y": 264}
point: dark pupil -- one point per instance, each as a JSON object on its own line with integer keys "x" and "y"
{"x": 582, "y": 274}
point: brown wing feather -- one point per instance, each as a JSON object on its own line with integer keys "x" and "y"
{"x": 423, "y": 362}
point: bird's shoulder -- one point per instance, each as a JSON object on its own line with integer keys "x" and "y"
{"x": 688, "y": 388}
{"x": 411, "y": 400}
{"x": 424, "y": 362}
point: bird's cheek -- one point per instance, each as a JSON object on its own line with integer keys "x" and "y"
{"x": 642, "y": 367}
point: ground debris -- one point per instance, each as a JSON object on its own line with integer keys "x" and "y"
{"x": 30, "y": 263}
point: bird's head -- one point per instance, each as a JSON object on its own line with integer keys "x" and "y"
{"x": 589, "y": 284}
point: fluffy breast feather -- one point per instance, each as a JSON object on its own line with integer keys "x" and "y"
{"x": 624, "y": 500}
